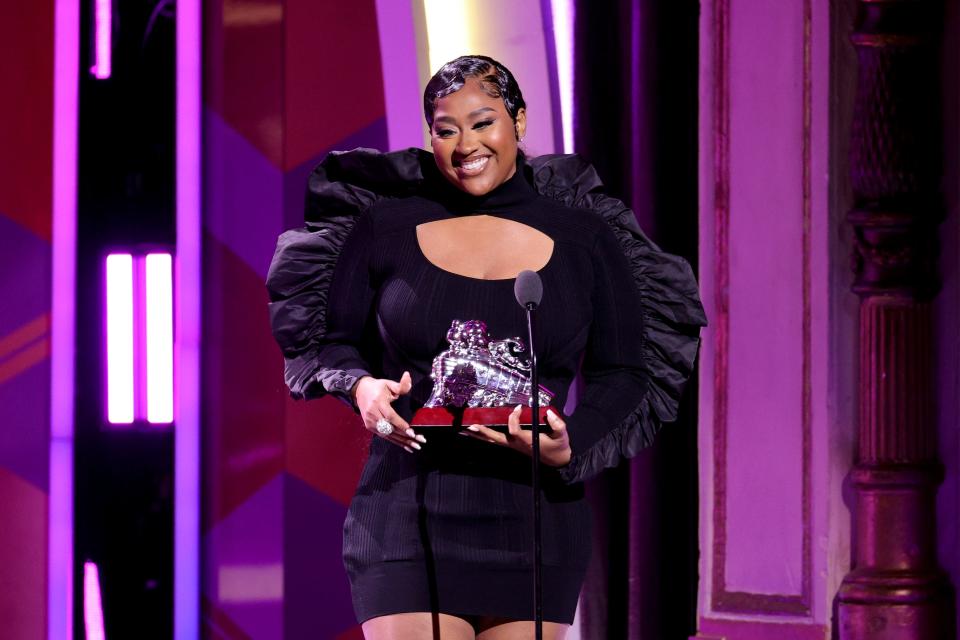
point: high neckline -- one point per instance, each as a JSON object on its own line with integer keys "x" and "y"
{"x": 515, "y": 191}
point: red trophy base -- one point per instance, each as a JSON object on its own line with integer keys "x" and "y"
{"x": 460, "y": 417}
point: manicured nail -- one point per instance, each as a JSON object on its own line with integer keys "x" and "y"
{"x": 473, "y": 428}
{"x": 551, "y": 414}
{"x": 517, "y": 408}
{"x": 415, "y": 446}
{"x": 420, "y": 438}
{"x": 407, "y": 449}
{"x": 411, "y": 433}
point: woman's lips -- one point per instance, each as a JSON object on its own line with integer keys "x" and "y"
{"x": 473, "y": 167}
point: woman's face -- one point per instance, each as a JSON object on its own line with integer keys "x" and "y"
{"x": 474, "y": 139}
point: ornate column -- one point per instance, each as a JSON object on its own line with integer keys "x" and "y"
{"x": 896, "y": 590}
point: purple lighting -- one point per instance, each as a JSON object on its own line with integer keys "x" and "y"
{"x": 159, "y": 343}
{"x": 102, "y": 45}
{"x": 120, "y": 379}
{"x": 139, "y": 338}
{"x": 60, "y": 569}
{"x": 563, "y": 21}
{"x": 92, "y": 606}
{"x": 186, "y": 517}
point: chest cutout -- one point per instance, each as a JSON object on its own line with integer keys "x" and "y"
{"x": 484, "y": 247}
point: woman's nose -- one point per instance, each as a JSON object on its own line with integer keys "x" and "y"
{"x": 467, "y": 143}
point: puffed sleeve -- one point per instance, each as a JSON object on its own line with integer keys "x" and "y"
{"x": 320, "y": 297}
{"x": 646, "y": 331}
{"x": 319, "y": 280}
{"x": 613, "y": 369}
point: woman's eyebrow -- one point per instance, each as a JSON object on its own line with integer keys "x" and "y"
{"x": 471, "y": 115}
{"x": 476, "y": 112}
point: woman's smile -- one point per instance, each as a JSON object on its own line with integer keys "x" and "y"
{"x": 472, "y": 166}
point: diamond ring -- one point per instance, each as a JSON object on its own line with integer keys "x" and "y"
{"x": 384, "y": 427}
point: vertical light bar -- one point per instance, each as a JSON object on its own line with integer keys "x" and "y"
{"x": 159, "y": 325}
{"x": 120, "y": 378}
{"x": 186, "y": 514}
{"x": 102, "y": 36}
{"x": 401, "y": 82}
{"x": 92, "y": 604}
{"x": 66, "y": 72}
{"x": 563, "y": 17}
{"x": 448, "y": 33}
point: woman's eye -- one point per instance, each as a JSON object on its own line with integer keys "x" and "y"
{"x": 445, "y": 133}
{"x": 482, "y": 125}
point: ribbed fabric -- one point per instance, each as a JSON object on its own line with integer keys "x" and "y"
{"x": 460, "y": 509}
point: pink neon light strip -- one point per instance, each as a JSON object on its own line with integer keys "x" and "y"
{"x": 66, "y": 73}
{"x": 563, "y": 21}
{"x": 103, "y": 47}
{"x": 159, "y": 321}
{"x": 120, "y": 378}
{"x": 92, "y": 604}
{"x": 186, "y": 517}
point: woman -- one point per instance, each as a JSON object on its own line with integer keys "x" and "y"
{"x": 397, "y": 246}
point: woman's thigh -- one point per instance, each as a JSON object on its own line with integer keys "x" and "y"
{"x": 418, "y": 626}
{"x": 500, "y": 629}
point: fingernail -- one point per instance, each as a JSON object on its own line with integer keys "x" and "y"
{"x": 518, "y": 407}
{"x": 415, "y": 446}
{"x": 551, "y": 414}
{"x": 421, "y": 439}
{"x": 473, "y": 428}
{"x": 407, "y": 449}
{"x": 411, "y": 433}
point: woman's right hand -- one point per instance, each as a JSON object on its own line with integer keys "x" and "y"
{"x": 373, "y": 397}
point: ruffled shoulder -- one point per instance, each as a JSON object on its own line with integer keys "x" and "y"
{"x": 340, "y": 189}
{"x": 350, "y": 182}
{"x": 672, "y": 312}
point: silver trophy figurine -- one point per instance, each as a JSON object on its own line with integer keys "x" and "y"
{"x": 480, "y": 374}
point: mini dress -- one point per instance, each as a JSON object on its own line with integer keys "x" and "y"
{"x": 449, "y": 528}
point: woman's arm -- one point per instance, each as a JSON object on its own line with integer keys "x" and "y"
{"x": 321, "y": 308}
{"x": 320, "y": 299}
{"x": 614, "y": 373}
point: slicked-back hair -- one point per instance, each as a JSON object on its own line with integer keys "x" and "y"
{"x": 496, "y": 80}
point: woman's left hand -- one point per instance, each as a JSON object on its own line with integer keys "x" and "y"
{"x": 554, "y": 445}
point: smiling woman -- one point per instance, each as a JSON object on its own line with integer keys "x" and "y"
{"x": 437, "y": 541}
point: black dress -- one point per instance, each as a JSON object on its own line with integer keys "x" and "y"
{"x": 449, "y": 528}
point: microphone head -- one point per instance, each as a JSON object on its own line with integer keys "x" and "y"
{"x": 528, "y": 288}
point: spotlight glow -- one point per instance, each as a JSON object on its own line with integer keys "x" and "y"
{"x": 448, "y": 35}
{"x": 92, "y": 604}
{"x": 120, "y": 396}
{"x": 159, "y": 321}
{"x": 563, "y": 20}
{"x": 102, "y": 45}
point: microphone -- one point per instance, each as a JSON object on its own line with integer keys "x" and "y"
{"x": 528, "y": 289}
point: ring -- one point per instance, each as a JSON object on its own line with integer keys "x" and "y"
{"x": 384, "y": 427}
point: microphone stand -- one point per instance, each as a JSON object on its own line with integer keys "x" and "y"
{"x": 535, "y": 484}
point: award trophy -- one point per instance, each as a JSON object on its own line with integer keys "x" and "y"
{"x": 479, "y": 381}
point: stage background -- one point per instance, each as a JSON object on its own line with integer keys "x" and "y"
{"x": 26, "y": 233}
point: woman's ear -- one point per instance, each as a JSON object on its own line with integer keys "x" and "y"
{"x": 520, "y": 123}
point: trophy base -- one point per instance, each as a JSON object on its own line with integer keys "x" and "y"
{"x": 460, "y": 417}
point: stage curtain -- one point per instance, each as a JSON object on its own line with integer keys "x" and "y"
{"x": 636, "y": 121}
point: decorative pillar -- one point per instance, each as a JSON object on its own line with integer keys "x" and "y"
{"x": 896, "y": 590}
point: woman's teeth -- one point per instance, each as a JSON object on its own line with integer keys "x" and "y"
{"x": 474, "y": 165}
